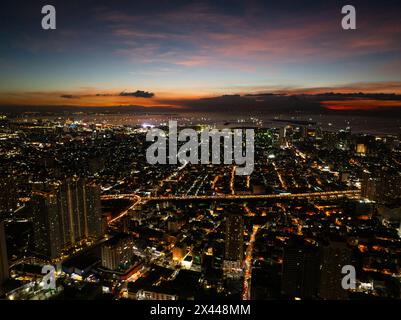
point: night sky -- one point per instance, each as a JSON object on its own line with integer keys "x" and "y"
{"x": 182, "y": 50}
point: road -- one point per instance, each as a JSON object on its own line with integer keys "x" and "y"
{"x": 125, "y": 212}
{"x": 309, "y": 195}
{"x": 246, "y": 291}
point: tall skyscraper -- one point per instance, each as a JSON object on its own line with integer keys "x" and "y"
{"x": 65, "y": 214}
{"x": 369, "y": 186}
{"x": 334, "y": 257}
{"x": 80, "y": 210}
{"x": 300, "y": 277}
{"x": 48, "y": 238}
{"x": 234, "y": 252}
{"x": 8, "y": 198}
{"x": 117, "y": 252}
{"x": 3, "y": 257}
{"x": 382, "y": 186}
{"x": 282, "y": 136}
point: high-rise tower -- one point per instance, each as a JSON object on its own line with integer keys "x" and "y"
{"x": 3, "y": 257}
{"x": 234, "y": 253}
{"x": 65, "y": 214}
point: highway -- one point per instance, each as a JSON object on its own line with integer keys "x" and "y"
{"x": 283, "y": 196}
{"x": 125, "y": 212}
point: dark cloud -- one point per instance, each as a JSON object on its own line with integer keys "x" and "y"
{"x": 137, "y": 94}
{"x": 69, "y": 96}
{"x": 104, "y": 95}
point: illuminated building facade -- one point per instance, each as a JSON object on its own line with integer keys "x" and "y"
{"x": 361, "y": 149}
{"x": 117, "y": 252}
{"x": 64, "y": 214}
{"x": 234, "y": 253}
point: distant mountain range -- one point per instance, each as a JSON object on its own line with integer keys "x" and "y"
{"x": 367, "y": 104}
